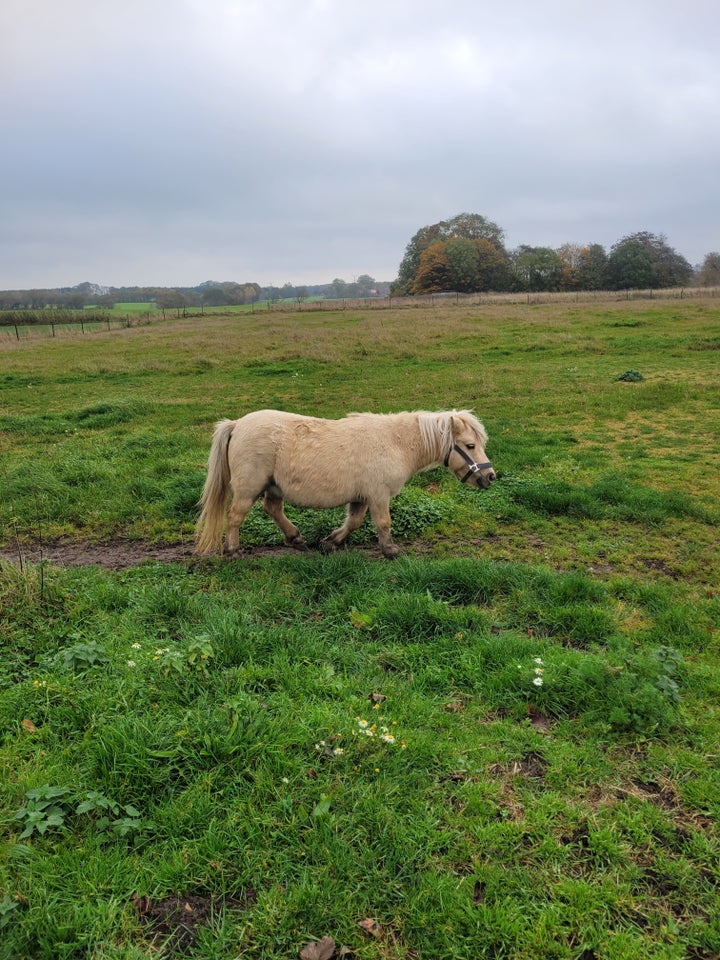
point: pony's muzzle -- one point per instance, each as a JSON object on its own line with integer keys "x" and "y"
{"x": 484, "y": 478}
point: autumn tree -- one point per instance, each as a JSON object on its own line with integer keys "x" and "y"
{"x": 464, "y": 226}
{"x": 433, "y": 273}
{"x": 571, "y": 258}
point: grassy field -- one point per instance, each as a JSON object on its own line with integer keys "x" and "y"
{"x": 503, "y": 744}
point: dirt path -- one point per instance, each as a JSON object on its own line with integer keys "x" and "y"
{"x": 120, "y": 554}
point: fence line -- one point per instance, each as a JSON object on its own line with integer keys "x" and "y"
{"x": 11, "y": 328}
{"x": 483, "y": 299}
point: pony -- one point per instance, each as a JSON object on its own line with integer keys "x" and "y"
{"x": 362, "y": 461}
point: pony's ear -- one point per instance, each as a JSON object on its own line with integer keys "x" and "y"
{"x": 455, "y": 424}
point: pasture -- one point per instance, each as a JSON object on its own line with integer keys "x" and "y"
{"x": 502, "y": 744}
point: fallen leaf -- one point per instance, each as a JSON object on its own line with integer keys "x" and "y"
{"x": 454, "y": 706}
{"x": 371, "y": 927}
{"x": 29, "y": 726}
{"x": 377, "y": 698}
{"x": 318, "y": 949}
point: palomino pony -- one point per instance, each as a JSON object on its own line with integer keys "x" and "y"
{"x": 362, "y": 460}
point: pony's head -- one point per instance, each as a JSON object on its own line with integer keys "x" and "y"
{"x": 466, "y": 451}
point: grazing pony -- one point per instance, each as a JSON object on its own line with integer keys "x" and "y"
{"x": 362, "y": 460}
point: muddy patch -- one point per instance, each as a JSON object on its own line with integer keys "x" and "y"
{"x": 119, "y": 554}
{"x": 177, "y": 921}
{"x": 115, "y": 554}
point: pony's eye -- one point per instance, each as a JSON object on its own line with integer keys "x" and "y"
{"x": 470, "y": 446}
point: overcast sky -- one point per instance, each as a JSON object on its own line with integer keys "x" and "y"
{"x": 175, "y": 141}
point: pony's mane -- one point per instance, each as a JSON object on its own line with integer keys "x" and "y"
{"x": 435, "y": 427}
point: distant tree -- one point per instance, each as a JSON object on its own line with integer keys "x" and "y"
{"x": 592, "y": 270}
{"x": 463, "y": 258}
{"x": 214, "y": 295}
{"x": 365, "y": 285}
{"x": 571, "y": 257}
{"x": 644, "y": 260}
{"x": 434, "y": 273}
{"x": 271, "y": 293}
{"x": 537, "y": 268}
{"x": 75, "y": 299}
{"x": 493, "y": 266}
{"x": 170, "y": 299}
{"x": 338, "y": 289}
{"x": 464, "y": 226}
{"x": 709, "y": 273}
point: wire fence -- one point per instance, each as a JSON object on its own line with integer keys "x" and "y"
{"x": 21, "y": 325}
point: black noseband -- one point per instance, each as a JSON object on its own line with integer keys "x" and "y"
{"x": 473, "y": 467}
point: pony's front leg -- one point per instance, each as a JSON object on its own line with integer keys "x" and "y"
{"x": 380, "y": 513}
{"x": 274, "y": 507}
{"x": 353, "y": 518}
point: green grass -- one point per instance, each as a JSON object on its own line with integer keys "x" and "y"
{"x": 294, "y": 744}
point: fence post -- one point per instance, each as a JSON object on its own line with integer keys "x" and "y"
{"x": 17, "y": 333}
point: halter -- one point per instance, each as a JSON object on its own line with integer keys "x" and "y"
{"x": 473, "y": 467}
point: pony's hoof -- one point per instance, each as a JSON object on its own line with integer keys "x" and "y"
{"x": 297, "y": 543}
{"x": 328, "y": 546}
{"x": 391, "y": 552}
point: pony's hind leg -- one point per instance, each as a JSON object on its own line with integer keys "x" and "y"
{"x": 274, "y": 508}
{"x": 239, "y": 508}
{"x": 380, "y": 513}
{"x": 353, "y": 518}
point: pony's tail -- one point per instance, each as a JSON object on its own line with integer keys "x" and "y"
{"x": 211, "y": 522}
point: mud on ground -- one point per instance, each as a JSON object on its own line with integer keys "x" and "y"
{"x": 119, "y": 554}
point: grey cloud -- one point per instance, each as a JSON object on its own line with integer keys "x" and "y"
{"x": 271, "y": 140}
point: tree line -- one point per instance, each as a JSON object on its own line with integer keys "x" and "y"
{"x": 467, "y": 254}
{"x": 211, "y": 293}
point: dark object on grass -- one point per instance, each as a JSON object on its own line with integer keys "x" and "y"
{"x": 631, "y": 376}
